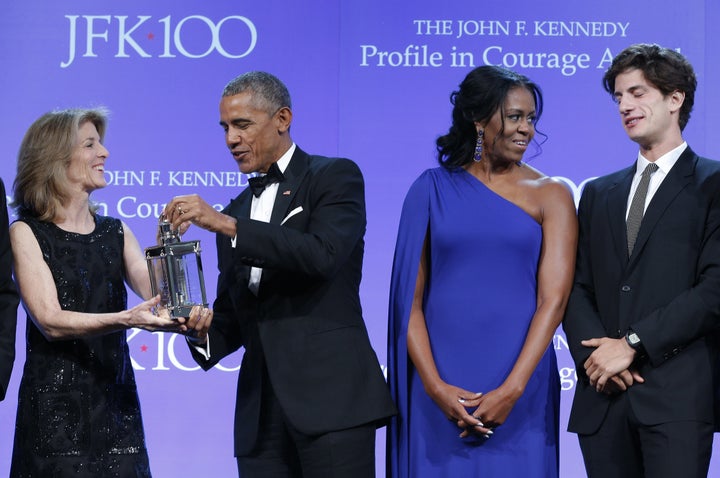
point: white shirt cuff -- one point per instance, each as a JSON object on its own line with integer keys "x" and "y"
{"x": 203, "y": 350}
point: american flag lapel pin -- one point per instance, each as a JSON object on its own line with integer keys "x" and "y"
{"x": 286, "y": 193}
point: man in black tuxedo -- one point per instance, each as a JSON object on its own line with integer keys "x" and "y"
{"x": 290, "y": 248}
{"x": 8, "y": 300}
{"x": 646, "y": 298}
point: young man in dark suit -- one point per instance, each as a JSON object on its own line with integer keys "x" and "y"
{"x": 646, "y": 298}
{"x": 8, "y": 300}
{"x": 290, "y": 248}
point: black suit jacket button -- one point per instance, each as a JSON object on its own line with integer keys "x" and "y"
{"x": 626, "y": 288}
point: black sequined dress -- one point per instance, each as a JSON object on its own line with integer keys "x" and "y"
{"x": 78, "y": 409}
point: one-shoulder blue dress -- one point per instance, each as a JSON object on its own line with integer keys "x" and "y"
{"x": 480, "y": 298}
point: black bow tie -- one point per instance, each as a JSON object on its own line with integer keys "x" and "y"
{"x": 259, "y": 183}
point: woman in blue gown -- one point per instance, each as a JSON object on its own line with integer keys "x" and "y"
{"x": 482, "y": 272}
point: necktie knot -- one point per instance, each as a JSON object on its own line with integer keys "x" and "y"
{"x": 649, "y": 169}
{"x": 259, "y": 183}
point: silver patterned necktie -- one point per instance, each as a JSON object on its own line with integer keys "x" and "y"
{"x": 637, "y": 206}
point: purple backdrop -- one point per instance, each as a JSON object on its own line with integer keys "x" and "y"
{"x": 370, "y": 80}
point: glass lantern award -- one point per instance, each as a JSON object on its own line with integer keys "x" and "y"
{"x": 176, "y": 272}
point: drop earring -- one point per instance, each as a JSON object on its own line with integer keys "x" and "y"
{"x": 477, "y": 157}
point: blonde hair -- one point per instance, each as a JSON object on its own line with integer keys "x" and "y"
{"x": 41, "y": 185}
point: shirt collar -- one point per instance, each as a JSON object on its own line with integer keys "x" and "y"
{"x": 285, "y": 158}
{"x": 664, "y": 162}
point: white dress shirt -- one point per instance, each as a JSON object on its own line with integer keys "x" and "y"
{"x": 261, "y": 210}
{"x": 664, "y": 163}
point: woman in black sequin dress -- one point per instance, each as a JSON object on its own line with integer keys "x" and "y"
{"x": 78, "y": 409}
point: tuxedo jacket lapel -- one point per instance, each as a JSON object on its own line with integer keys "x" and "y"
{"x": 240, "y": 207}
{"x": 287, "y": 189}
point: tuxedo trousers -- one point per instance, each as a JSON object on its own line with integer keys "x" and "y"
{"x": 281, "y": 451}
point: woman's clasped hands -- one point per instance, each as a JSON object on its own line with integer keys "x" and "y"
{"x": 455, "y": 403}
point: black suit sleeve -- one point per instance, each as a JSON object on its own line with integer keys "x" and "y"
{"x": 337, "y": 223}
{"x": 582, "y": 320}
{"x": 695, "y": 312}
{"x": 8, "y": 300}
{"x": 226, "y": 335}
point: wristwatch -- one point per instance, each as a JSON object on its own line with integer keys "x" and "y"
{"x": 633, "y": 340}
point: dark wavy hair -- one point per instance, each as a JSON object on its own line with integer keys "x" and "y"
{"x": 665, "y": 69}
{"x": 481, "y": 94}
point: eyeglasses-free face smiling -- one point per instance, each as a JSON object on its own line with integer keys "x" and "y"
{"x": 509, "y": 131}
{"x": 648, "y": 117}
{"x": 86, "y": 170}
{"x": 255, "y": 137}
